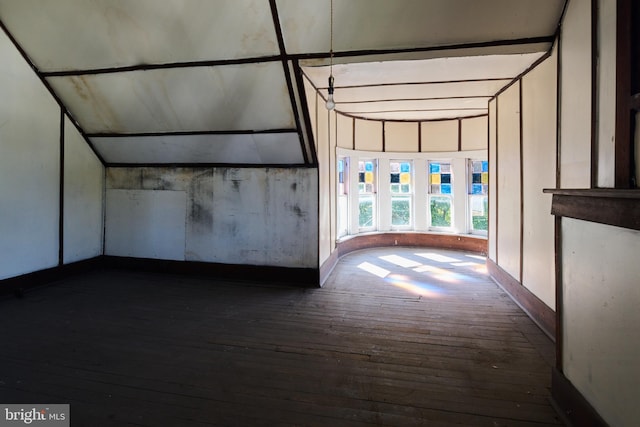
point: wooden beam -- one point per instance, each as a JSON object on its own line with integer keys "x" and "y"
{"x": 620, "y": 208}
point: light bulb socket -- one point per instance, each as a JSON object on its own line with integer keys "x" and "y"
{"x": 330, "y": 84}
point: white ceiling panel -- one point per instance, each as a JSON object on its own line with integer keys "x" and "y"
{"x": 231, "y": 97}
{"x": 266, "y": 148}
{"x": 404, "y": 90}
{"x": 79, "y": 34}
{"x": 427, "y": 70}
{"x": 385, "y": 24}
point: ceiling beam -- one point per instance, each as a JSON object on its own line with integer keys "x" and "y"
{"x": 187, "y": 133}
{"x": 296, "y": 57}
{"x": 287, "y": 75}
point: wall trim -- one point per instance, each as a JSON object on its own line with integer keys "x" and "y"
{"x": 305, "y": 277}
{"x": 535, "y": 308}
{"x": 571, "y": 404}
{"x": 19, "y": 284}
{"x": 460, "y": 242}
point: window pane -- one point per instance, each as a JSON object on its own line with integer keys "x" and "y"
{"x": 401, "y": 210}
{"x": 479, "y": 213}
{"x": 440, "y": 211}
{"x": 478, "y": 190}
{"x": 366, "y": 176}
{"x": 365, "y": 216}
{"x": 343, "y": 176}
{"x": 400, "y": 174}
{"x": 440, "y": 178}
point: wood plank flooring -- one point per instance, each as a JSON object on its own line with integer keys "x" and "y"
{"x": 427, "y": 340}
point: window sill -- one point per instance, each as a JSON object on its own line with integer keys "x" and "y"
{"x": 620, "y": 208}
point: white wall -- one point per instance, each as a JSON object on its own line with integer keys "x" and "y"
{"x": 529, "y": 260}
{"x": 83, "y": 198}
{"x": 146, "y": 224}
{"x": 539, "y": 172}
{"x": 493, "y": 187}
{"x": 258, "y": 216}
{"x": 30, "y": 142}
{"x": 29, "y": 168}
{"x": 508, "y": 181}
{"x": 601, "y": 317}
{"x": 600, "y": 269}
{"x": 575, "y": 95}
{"x": 606, "y": 123}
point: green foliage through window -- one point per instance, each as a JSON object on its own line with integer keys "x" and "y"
{"x": 400, "y": 211}
{"x": 440, "y": 212}
{"x": 480, "y": 218}
{"x": 365, "y": 216}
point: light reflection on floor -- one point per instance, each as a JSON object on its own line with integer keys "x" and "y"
{"x": 432, "y": 273}
{"x": 415, "y": 287}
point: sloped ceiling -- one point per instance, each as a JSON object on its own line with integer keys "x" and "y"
{"x": 222, "y": 82}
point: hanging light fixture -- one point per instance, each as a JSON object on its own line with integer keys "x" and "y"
{"x": 330, "y": 102}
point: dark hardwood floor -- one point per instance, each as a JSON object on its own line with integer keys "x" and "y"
{"x": 434, "y": 342}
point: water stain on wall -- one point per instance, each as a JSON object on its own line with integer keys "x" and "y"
{"x": 200, "y": 202}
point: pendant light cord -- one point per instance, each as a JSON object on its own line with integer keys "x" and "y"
{"x": 331, "y": 39}
{"x": 330, "y": 102}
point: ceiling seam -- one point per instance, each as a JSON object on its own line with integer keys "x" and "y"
{"x": 434, "y": 82}
{"x": 439, "y": 98}
{"x": 305, "y": 111}
{"x": 55, "y": 96}
{"x": 284, "y": 57}
{"x": 164, "y": 66}
{"x": 374, "y": 52}
{"x": 211, "y": 165}
{"x": 287, "y": 75}
{"x": 444, "y": 119}
{"x": 517, "y": 78}
{"x": 188, "y": 133}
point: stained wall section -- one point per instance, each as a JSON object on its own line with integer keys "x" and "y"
{"x": 255, "y": 216}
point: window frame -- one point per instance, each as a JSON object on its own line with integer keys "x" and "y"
{"x": 430, "y": 194}
{"x": 373, "y": 195}
{"x": 409, "y": 195}
{"x": 470, "y": 194}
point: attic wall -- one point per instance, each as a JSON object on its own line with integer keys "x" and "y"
{"x": 522, "y": 163}
{"x": 255, "y": 216}
{"x": 30, "y": 169}
{"x": 83, "y": 198}
{"x": 600, "y": 268}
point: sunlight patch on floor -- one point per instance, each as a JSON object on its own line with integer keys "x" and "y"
{"x": 414, "y": 286}
{"x": 439, "y": 274}
{"x": 374, "y": 269}
{"x": 437, "y": 257}
{"x": 400, "y": 261}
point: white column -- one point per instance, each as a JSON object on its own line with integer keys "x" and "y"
{"x": 353, "y": 195}
{"x": 460, "y": 223}
{"x": 383, "y": 204}
{"x": 420, "y": 197}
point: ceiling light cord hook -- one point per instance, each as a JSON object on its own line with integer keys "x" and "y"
{"x": 330, "y": 102}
